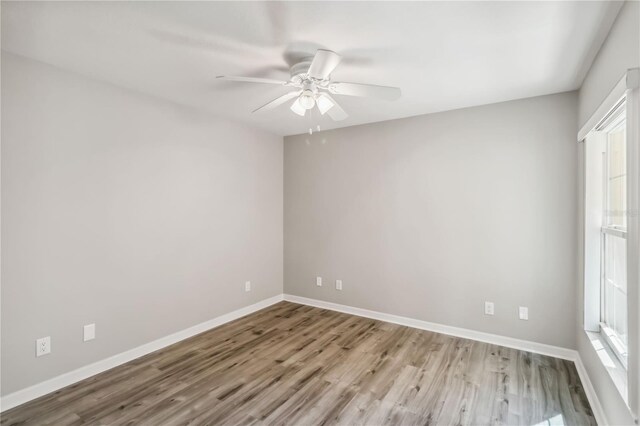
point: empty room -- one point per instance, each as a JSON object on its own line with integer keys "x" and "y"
{"x": 320, "y": 213}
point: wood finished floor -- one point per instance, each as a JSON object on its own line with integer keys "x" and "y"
{"x": 297, "y": 365}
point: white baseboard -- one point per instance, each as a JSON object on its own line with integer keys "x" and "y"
{"x": 596, "y": 407}
{"x": 510, "y": 342}
{"x": 465, "y": 333}
{"x": 25, "y": 395}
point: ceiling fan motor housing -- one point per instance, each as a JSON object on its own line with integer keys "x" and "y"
{"x": 300, "y": 68}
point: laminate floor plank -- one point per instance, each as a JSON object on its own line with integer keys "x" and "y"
{"x": 292, "y": 364}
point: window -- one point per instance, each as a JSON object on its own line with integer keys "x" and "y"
{"x": 613, "y": 283}
{"x": 611, "y": 234}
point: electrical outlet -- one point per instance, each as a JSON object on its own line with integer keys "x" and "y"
{"x": 89, "y": 332}
{"x": 43, "y": 346}
{"x": 247, "y": 286}
{"x": 523, "y": 313}
{"x": 488, "y": 308}
{"x": 319, "y": 281}
{"x": 338, "y": 284}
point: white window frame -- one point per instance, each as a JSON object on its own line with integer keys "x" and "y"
{"x": 615, "y": 343}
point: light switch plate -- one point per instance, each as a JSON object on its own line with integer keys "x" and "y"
{"x": 89, "y": 332}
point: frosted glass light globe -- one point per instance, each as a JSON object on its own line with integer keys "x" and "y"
{"x": 307, "y": 101}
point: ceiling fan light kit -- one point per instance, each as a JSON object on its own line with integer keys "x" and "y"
{"x": 308, "y": 96}
{"x": 324, "y": 103}
{"x": 311, "y": 79}
{"x": 297, "y": 107}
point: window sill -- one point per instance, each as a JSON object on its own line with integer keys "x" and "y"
{"x": 615, "y": 344}
{"x": 611, "y": 363}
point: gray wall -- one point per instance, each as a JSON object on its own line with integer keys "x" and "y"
{"x": 127, "y": 211}
{"x": 620, "y": 51}
{"x": 430, "y": 216}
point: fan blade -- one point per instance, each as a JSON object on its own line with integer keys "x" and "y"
{"x": 251, "y": 80}
{"x": 335, "y": 112}
{"x": 297, "y": 107}
{"x": 365, "y": 90}
{"x": 324, "y": 62}
{"x": 278, "y": 101}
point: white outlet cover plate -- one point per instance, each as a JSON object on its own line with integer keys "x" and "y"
{"x": 247, "y": 286}
{"x": 338, "y": 284}
{"x": 43, "y": 346}
{"x": 319, "y": 281}
{"x": 488, "y": 308}
{"x": 523, "y": 313}
{"x": 89, "y": 332}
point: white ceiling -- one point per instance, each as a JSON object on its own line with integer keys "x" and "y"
{"x": 443, "y": 55}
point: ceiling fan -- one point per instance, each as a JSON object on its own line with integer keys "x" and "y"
{"x": 311, "y": 81}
